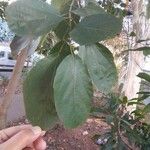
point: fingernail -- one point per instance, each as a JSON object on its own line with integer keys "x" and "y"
{"x": 43, "y": 133}
{"x": 37, "y": 130}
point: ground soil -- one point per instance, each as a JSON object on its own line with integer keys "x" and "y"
{"x": 81, "y": 138}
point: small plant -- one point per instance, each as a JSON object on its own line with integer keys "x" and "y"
{"x": 127, "y": 129}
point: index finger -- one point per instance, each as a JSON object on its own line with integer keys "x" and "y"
{"x": 9, "y": 132}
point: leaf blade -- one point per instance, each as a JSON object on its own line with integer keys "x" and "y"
{"x": 144, "y": 76}
{"x": 96, "y": 28}
{"x": 100, "y": 64}
{"x": 90, "y": 9}
{"x": 38, "y": 91}
{"x": 31, "y": 17}
{"x": 72, "y": 92}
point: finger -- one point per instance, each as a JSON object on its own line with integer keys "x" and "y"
{"x": 5, "y": 134}
{"x": 22, "y": 139}
{"x": 28, "y": 148}
{"x": 43, "y": 133}
{"x": 40, "y": 144}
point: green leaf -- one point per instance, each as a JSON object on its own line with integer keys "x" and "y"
{"x": 96, "y": 28}
{"x": 65, "y": 8}
{"x": 123, "y": 5}
{"x": 146, "y": 50}
{"x": 109, "y": 119}
{"x": 65, "y": 26}
{"x": 147, "y": 109}
{"x": 72, "y": 92}
{"x": 143, "y": 92}
{"x": 60, "y": 47}
{"x": 38, "y": 92}
{"x": 135, "y": 103}
{"x": 31, "y": 17}
{"x": 144, "y": 76}
{"x": 59, "y": 3}
{"x": 64, "y": 5}
{"x": 124, "y": 100}
{"x": 62, "y": 29}
{"x": 100, "y": 64}
{"x": 133, "y": 34}
{"x": 90, "y": 9}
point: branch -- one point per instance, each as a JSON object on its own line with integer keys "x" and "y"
{"x": 70, "y": 15}
{"x": 13, "y": 82}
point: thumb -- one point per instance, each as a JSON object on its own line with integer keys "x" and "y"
{"x": 22, "y": 139}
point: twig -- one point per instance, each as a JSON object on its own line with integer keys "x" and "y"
{"x": 70, "y": 9}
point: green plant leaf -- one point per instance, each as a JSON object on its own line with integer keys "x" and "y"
{"x": 72, "y": 92}
{"x": 90, "y": 9}
{"x": 62, "y": 29}
{"x": 65, "y": 8}
{"x": 144, "y": 76}
{"x": 100, "y": 64}
{"x": 64, "y": 5}
{"x": 135, "y": 103}
{"x": 109, "y": 119}
{"x": 146, "y": 109}
{"x": 148, "y": 10}
{"x": 60, "y": 47}
{"x": 59, "y": 3}
{"x": 144, "y": 92}
{"x": 38, "y": 92}
{"x": 96, "y": 28}
{"x": 146, "y": 50}
{"x": 133, "y": 34}
{"x": 32, "y": 17}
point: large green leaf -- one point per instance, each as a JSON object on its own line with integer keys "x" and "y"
{"x": 31, "y": 17}
{"x": 72, "y": 92}
{"x": 99, "y": 62}
{"x": 90, "y": 9}
{"x": 96, "y": 28}
{"x": 38, "y": 91}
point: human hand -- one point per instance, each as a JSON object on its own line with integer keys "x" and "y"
{"x": 24, "y": 137}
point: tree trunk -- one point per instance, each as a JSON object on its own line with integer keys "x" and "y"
{"x": 136, "y": 59}
{"x": 17, "y": 72}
